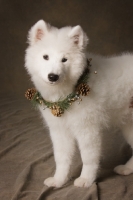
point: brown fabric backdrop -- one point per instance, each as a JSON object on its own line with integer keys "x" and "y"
{"x": 26, "y": 157}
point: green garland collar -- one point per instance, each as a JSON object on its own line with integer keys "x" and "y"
{"x": 58, "y": 108}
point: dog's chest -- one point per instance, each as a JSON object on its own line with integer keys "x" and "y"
{"x": 77, "y": 111}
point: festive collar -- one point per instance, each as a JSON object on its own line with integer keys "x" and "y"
{"x": 58, "y": 108}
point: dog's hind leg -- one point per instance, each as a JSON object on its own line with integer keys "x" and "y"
{"x": 128, "y": 135}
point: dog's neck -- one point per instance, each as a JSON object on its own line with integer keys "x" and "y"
{"x": 55, "y": 92}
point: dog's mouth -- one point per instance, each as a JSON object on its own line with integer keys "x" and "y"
{"x": 53, "y": 83}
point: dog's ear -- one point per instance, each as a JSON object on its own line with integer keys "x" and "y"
{"x": 38, "y": 31}
{"x": 78, "y": 36}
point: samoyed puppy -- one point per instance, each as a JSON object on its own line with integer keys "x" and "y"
{"x": 56, "y": 60}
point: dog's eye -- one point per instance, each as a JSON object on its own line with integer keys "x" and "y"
{"x": 46, "y": 57}
{"x": 64, "y": 59}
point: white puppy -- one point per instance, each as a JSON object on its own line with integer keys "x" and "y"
{"x": 56, "y": 60}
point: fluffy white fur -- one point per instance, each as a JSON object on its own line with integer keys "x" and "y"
{"x": 106, "y": 105}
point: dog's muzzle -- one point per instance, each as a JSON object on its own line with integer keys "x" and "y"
{"x": 53, "y": 77}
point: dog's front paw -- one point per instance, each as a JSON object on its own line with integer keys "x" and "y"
{"x": 52, "y": 182}
{"x": 82, "y": 182}
{"x": 123, "y": 170}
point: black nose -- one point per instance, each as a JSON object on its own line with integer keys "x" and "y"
{"x": 53, "y": 77}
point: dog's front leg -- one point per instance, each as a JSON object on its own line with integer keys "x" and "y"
{"x": 89, "y": 144}
{"x": 64, "y": 146}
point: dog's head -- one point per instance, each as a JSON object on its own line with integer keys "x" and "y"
{"x": 55, "y": 56}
